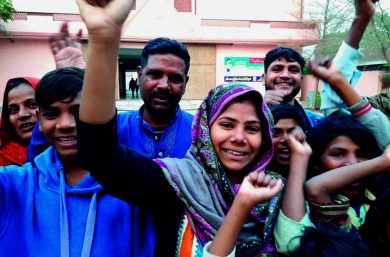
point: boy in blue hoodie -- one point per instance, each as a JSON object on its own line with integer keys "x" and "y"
{"x": 52, "y": 207}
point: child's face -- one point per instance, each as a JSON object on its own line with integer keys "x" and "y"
{"x": 22, "y": 110}
{"x": 58, "y": 124}
{"x": 342, "y": 151}
{"x": 236, "y": 136}
{"x": 280, "y": 133}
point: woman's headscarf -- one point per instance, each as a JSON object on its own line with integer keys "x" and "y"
{"x": 11, "y": 151}
{"x": 202, "y": 184}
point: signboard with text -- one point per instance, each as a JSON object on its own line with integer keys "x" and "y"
{"x": 243, "y": 69}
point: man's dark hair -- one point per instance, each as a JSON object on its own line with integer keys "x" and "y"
{"x": 58, "y": 85}
{"x": 164, "y": 45}
{"x": 288, "y": 111}
{"x": 289, "y": 54}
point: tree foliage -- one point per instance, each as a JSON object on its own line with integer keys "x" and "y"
{"x": 336, "y": 17}
{"x": 376, "y": 42}
{"x": 6, "y": 10}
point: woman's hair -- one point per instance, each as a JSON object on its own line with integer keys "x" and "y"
{"x": 326, "y": 242}
{"x": 7, "y": 132}
{"x": 331, "y": 127}
{"x": 373, "y": 231}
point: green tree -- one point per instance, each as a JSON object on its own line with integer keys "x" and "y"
{"x": 6, "y": 10}
{"x": 376, "y": 43}
{"x": 335, "y": 17}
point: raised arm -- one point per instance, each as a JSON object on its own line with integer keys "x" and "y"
{"x": 361, "y": 110}
{"x": 364, "y": 10}
{"x": 255, "y": 188}
{"x": 293, "y": 216}
{"x": 104, "y": 24}
{"x": 293, "y": 205}
{"x": 348, "y": 57}
{"x": 321, "y": 188}
{"x": 122, "y": 172}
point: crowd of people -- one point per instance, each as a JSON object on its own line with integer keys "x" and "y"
{"x": 247, "y": 175}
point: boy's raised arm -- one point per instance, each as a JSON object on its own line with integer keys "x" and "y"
{"x": 348, "y": 57}
{"x": 104, "y": 20}
{"x": 320, "y": 188}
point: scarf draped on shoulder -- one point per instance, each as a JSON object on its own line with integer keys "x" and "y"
{"x": 202, "y": 184}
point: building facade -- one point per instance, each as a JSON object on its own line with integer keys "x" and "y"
{"x": 227, "y": 39}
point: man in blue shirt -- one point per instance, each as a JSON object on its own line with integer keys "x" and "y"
{"x": 159, "y": 128}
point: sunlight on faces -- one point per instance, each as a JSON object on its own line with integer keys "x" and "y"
{"x": 236, "y": 136}
{"x": 58, "y": 124}
{"x": 281, "y": 131}
{"x": 284, "y": 76}
{"x": 342, "y": 151}
{"x": 22, "y": 110}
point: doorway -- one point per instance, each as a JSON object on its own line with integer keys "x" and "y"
{"x": 128, "y": 61}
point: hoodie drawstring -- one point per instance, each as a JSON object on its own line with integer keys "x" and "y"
{"x": 64, "y": 225}
{"x": 90, "y": 227}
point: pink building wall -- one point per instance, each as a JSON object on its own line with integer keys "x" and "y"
{"x": 24, "y": 58}
{"x": 369, "y": 84}
{"x": 238, "y": 28}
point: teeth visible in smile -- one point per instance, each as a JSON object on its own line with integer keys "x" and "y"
{"x": 70, "y": 139}
{"x": 26, "y": 125}
{"x": 235, "y": 153}
{"x": 283, "y": 84}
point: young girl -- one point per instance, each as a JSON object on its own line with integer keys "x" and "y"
{"x": 345, "y": 155}
{"x": 18, "y": 118}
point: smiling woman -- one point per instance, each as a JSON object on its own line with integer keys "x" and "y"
{"x": 18, "y": 118}
{"x": 231, "y": 138}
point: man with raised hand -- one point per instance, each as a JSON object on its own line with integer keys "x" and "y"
{"x": 159, "y": 128}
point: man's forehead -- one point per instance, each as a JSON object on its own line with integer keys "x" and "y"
{"x": 165, "y": 61}
{"x": 164, "y": 56}
{"x": 283, "y": 60}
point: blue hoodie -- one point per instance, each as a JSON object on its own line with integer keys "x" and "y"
{"x": 40, "y": 215}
